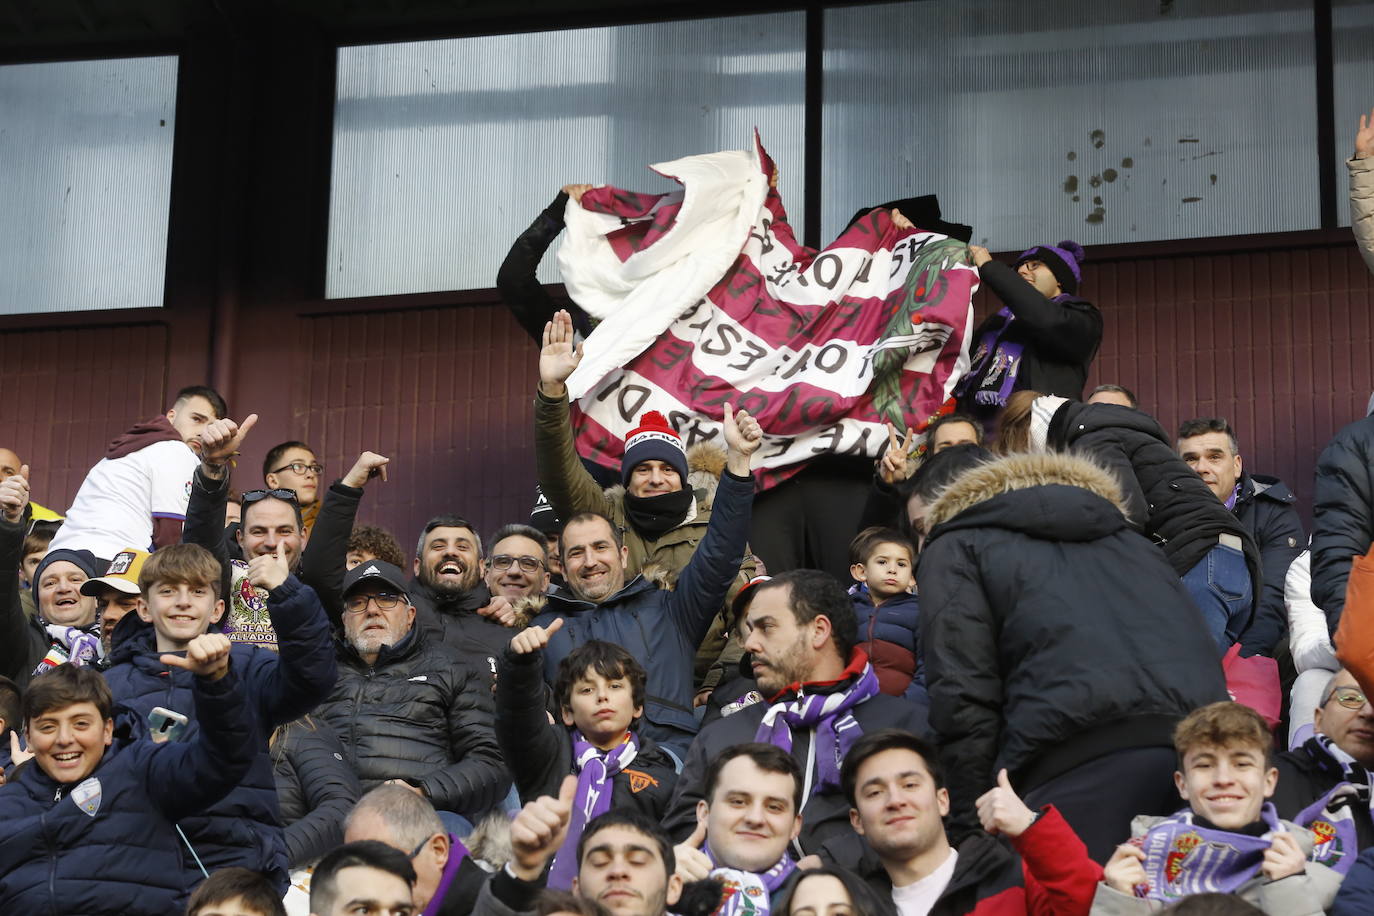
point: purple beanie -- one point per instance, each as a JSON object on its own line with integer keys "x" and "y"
{"x": 1062, "y": 260}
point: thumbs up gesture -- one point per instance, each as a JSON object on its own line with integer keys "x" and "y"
{"x": 538, "y": 830}
{"x": 692, "y": 863}
{"x": 14, "y": 495}
{"x": 1002, "y": 811}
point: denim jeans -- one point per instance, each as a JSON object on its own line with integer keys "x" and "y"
{"x": 1221, "y": 588}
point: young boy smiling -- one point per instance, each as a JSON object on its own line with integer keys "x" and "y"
{"x": 1228, "y": 839}
{"x": 180, "y": 586}
{"x": 600, "y": 696}
{"x": 883, "y": 563}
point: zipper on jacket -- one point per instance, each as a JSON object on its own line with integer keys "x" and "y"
{"x": 52, "y": 863}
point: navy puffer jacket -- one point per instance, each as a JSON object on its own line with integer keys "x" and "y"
{"x": 125, "y": 858}
{"x": 890, "y": 637}
{"x": 244, "y": 828}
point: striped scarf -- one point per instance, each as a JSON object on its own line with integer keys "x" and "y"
{"x": 829, "y": 715}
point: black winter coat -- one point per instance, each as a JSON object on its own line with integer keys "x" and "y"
{"x": 1342, "y": 514}
{"x": 1052, "y": 632}
{"x": 316, "y": 788}
{"x": 1304, "y": 778}
{"x": 824, "y": 815}
{"x": 420, "y": 715}
{"x": 521, "y": 290}
{"x": 540, "y": 754}
{"x": 1265, "y": 508}
{"x": 23, "y": 641}
{"x": 245, "y": 828}
{"x": 124, "y": 859}
{"x": 452, "y": 620}
{"x": 1165, "y": 499}
{"x": 1060, "y": 338}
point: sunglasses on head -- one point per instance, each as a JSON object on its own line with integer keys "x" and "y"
{"x": 253, "y": 496}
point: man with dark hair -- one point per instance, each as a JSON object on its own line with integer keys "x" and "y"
{"x": 1264, "y": 505}
{"x": 953, "y": 429}
{"x": 599, "y": 697}
{"x": 137, "y": 494}
{"x": 897, "y": 802}
{"x": 518, "y": 565}
{"x": 660, "y": 628}
{"x": 362, "y": 877}
{"x": 624, "y": 860}
{"x": 751, "y": 812}
{"x": 236, "y": 892}
{"x": 821, "y": 695}
{"x": 293, "y": 466}
{"x": 409, "y": 711}
{"x": 91, "y": 821}
{"x": 1114, "y": 394}
{"x": 447, "y": 878}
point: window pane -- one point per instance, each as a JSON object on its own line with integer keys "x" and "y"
{"x": 87, "y": 153}
{"x": 1352, "y": 39}
{"x": 444, "y": 151}
{"x": 1104, "y": 122}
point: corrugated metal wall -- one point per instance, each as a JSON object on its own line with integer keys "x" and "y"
{"x": 1279, "y": 341}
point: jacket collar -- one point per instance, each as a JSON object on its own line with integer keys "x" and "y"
{"x": 858, "y": 660}
{"x": 568, "y": 603}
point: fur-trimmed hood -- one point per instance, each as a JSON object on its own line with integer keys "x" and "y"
{"x": 1022, "y": 472}
{"x": 705, "y": 464}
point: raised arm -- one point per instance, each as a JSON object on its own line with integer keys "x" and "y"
{"x": 15, "y": 655}
{"x": 220, "y": 441}
{"x": 706, "y": 579}
{"x": 1361, "y": 167}
{"x": 521, "y": 290}
{"x": 325, "y": 556}
{"x": 566, "y": 483}
{"x": 528, "y": 741}
{"x": 1070, "y": 330}
{"x": 299, "y": 677}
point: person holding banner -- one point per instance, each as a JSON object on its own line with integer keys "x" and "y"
{"x": 1229, "y": 838}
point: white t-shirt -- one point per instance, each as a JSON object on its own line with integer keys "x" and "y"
{"x": 917, "y": 899}
{"x": 120, "y": 497}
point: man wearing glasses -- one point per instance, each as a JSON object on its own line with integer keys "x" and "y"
{"x": 1325, "y": 782}
{"x": 518, "y": 566}
{"x": 408, "y": 709}
{"x": 293, "y": 466}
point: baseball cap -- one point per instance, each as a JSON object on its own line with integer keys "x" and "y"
{"x": 122, "y": 576}
{"x": 375, "y": 570}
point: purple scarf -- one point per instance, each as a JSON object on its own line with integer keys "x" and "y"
{"x": 827, "y": 713}
{"x": 70, "y": 644}
{"x": 992, "y": 377}
{"x": 1331, "y": 817}
{"x": 748, "y": 892}
{"x": 1183, "y": 858}
{"x": 457, "y": 852}
{"x": 596, "y": 770}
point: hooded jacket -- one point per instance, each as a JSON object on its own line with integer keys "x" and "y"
{"x": 1165, "y": 499}
{"x": 1265, "y": 507}
{"x": 1342, "y": 513}
{"x": 316, "y": 788}
{"x": 135, "y": 496}
{"x": 663, "y": 628}
{"x": 825, "y": 815}
{"x": 124, "y": 858}
{"x": 245, "y": 828}
{"x": 419, "y": 714}
{"x": 1052, "y": 632}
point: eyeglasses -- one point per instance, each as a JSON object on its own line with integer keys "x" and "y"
{"x": 300, "y": 467}
{"x": 1349, "y": 697}
{"x": 384, "y": 600}
{"x": 422, "y": 844}
{"x": 527, "y": 564}
{"x": 253, "y": 496}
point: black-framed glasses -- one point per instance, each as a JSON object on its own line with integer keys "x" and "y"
{"x": 527, "y": 564}
{"x": 300, "y": 467}
{"x": 422, "y": 844}
{"x": 384, "y": 600}
{"x": 281, "y": 493}
{"x": 1349, "y": 697}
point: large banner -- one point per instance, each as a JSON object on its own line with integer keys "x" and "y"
{"x": 705, "y": 296}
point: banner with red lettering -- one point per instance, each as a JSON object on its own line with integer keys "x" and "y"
{"x": 705, "y": 296}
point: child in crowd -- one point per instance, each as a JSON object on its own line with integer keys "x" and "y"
{"x": 235, "y": 892}
{"x": 1228, "y": 839}
{"x": 599, "y": 694}
{"x": 883, "y": 562}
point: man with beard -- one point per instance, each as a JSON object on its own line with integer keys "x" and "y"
{"x": 517, "y": 568}
{"x": 409, "y": 711}
{"x": 822, "y": 695}
{"x": 660, "y": 628}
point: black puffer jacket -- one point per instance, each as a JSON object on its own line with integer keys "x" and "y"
{"x": 1342, "y": 514}
{"x": 540, "y": 754}
{"x": 316, "y": 788}
{"x": 1165, "y": 499}
{"x": 1052, "y": 632}
{"x": 420, "y": 715}
{"x": 1307, "y": 773}
{"x": 1265, "y": 508}
{"x": 1060, "y": 337}
{"x": 453, "y": 621}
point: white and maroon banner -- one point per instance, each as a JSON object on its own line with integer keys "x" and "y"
{"x": 705, "y": 296}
